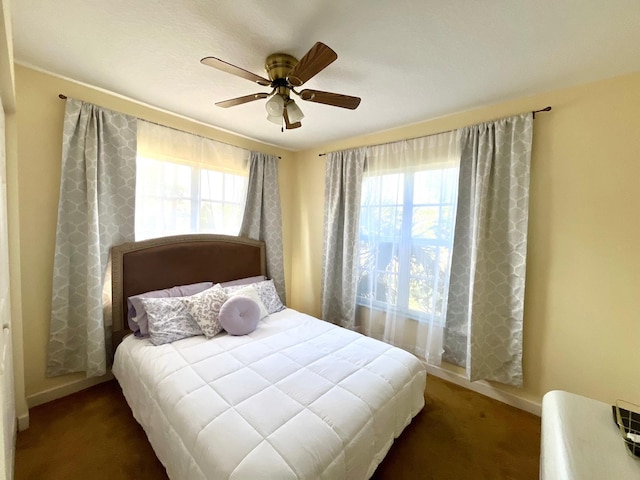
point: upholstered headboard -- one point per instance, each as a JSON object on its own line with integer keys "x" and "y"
{"x": 160, "y": 263}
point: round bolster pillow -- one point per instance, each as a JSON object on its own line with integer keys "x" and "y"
{"x": 239, "y": 315}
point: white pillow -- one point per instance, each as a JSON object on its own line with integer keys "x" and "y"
{"x": 205, "y": 307}
{"x": 268, "y": 295}
{"x": 251, "y": 293}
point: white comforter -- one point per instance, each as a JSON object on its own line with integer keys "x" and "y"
{"x": 298, "y": 398}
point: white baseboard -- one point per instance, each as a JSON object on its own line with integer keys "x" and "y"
{"x": 64, "y": 390}
{"x": 23, "y": 422}
{"x": 484, "y": 388}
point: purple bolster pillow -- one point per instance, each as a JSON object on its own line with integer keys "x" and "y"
{"x": 239, "y": 315}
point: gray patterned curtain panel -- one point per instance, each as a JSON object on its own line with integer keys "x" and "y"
{"x": 262, "y": 215}
{"x": 95, "y": 211}
{"x": 343, "y": 186}
{"x": 483, "y": 330}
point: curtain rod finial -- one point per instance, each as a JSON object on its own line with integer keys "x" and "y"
{"x": 62, "y": 97}
{"x": 546, "y": 109}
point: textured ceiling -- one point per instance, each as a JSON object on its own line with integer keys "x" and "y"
{"x": 408, "y": 60}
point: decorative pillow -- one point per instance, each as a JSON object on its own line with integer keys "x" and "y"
{"x": 244, "y": 281}
{"x": 169, "y": 320}
{"x": 239, "y": 315}
{"x": 136, "y": 314}
{"x": 268, "y": 295}
{"x": 204, "y": 307}
{"x": 251, "y": 293}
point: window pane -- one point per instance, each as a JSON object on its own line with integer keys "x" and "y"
{"x": 370, "y": 191}
{"x": 235, "y": 189}
{"x": 426, "y": 222}
{"x": 370, "y": 221}
{"x": 420, "y": 295}
{"x": 386, "y": 288}
{"x": 378, "y": 268}
{"x": 406, "y": 229}
{"x": 386, "y": 257}
{"x": 435, "y": 186}
{"x": 429, "y": 278}
{"x": 175, "y": 199}
{"x": 366, "y": 262}
{"x": 450, "y": 184}
{"x": 447, "y": 223}
{"x": 162, "y": 179}
{"x": 390, "y": 221}
{"x": 207, "y": 223}
{"x": 233, "y": 213}
{"x": 177, "y": 215}
{"x": 211, "y": 185}
{"x": 392, "y": 189}
{"x": 426, "y": 188}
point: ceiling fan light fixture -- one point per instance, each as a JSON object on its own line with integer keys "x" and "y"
{"x": 277, "y": 119}
{"x": 294, "y": 112}
{"x": 275, "y": 106}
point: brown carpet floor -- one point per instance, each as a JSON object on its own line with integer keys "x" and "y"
{"x": 460, "y": 434}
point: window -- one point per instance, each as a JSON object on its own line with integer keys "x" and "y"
{"x": 405, "y": 241}
{"x": 173, "y": 198}
{"x": 187, "y": 184}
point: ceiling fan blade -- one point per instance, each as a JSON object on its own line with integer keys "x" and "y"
{"x": 240, "y": 100}
{"x": 314, "y": 61}
{"x": 328, "y": 98}
{"x": 240, "y": 72}
{"x": 289, "y": 125}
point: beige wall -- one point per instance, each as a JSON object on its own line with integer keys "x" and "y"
{"x": 582, "y": 326}
{"x": 582, "y": 331}
{"x": 39, "y": 117}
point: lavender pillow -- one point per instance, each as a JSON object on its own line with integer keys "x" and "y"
{"x": 239, "y": 315}
{"x": 137, "y": 315}
{"x": 244, "y": 281}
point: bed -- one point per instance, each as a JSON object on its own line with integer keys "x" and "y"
{"x": 297, "y": 398}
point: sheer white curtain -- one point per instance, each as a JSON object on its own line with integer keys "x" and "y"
{"x": 405, "y": 238}
{"x": 188, "y": 184}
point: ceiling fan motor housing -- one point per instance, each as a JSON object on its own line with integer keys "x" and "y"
{"x": 278, "y": 65}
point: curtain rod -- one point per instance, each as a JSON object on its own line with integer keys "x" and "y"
{"x": 546, "y": 109}
{"x": 64, "y": 97}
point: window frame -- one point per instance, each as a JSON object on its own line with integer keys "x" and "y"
{"x": 405, "y": 246}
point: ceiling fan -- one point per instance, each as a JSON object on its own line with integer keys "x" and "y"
{"x": 285, "y": 73}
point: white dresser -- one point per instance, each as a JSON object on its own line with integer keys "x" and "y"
{"x": 581, "y": 441}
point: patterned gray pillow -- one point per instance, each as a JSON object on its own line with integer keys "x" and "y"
{"x": 205, "y": 307}
{"x": 169, "y": 320}
{"x": 136, "y": 314}
{"x": 267, "y": 292}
